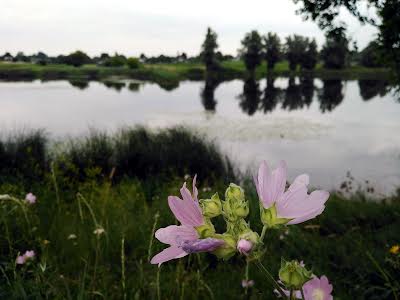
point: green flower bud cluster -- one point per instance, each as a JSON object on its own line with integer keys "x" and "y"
{"x": 293, "y": 274}
{"x": 234, "y": 209}
{"x": 235, "y": 206}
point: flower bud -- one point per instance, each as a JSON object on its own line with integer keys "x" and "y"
{"x": 211, "y": 207}
{"x": 234, "y": 193}
{"x": 270, "y": 218}
{"x": 293, "y": 274}
{"x": 228, "y": 249}
{"x": 206, "y": 230}
{"x": 235, "y": 206}
{"x": 244, "y": 246}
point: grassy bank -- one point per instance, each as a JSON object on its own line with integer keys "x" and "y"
{"x": 169, "y": 75}
{"x": 100, "y": 198}
{"x": 131, "y": 152}
{"x": 72, "y": 262}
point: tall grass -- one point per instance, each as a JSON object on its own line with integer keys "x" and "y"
{"x": 73, "y": 262}
{"x": 131, "y": 152}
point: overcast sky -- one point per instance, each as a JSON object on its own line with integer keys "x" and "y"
{"x": 153, "y": 27}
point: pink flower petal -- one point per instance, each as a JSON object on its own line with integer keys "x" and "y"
{"x": 167, "y": 254}
{"x": 173, "y": 234}
{"x": 263, "y": 179}
{"x": 186, "y": 210}
{"x": 270, "y": 186}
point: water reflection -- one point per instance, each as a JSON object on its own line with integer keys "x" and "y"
{"x": 207, "y": 93}
{"x": 372, "y": 88}
{"x": 251, "y": 96}
{"x": 81, "y": 84}
{"x": 331, "y": 94}
{"x": 272, "y": 95}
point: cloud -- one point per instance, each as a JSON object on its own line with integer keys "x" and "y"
{"x": 152, "y": 27}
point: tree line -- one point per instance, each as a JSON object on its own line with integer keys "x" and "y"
{"x": 300, "y": 52}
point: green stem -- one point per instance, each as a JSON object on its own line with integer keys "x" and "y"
{"x": 291, "y": 294}
{"x": 262, "y": 268}
{"x": 263, "y": 232}
{"x": 302, "y": 294}
{"x": 246, "y": 277}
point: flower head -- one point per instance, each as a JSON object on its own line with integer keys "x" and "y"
{"x": 247, "y": 283}
{"x": 22, "y": 259}
{"x": 292, "y": 206}
{"x": 193, "y": 235}
{"x": 183, "y": 240}
{"x": 395, "y": 249}
{"x": 318, "y": 289}
{"x": 30, "y": 198}
{"x": 187, "y": 210}
{"x": 244, "y": 246}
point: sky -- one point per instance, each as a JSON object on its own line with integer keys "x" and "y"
{"x": 152, "y": 27}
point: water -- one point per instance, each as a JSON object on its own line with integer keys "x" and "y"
{"x": 334, "y": 130}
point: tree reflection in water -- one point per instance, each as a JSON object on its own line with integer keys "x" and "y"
{"x": 207, "y": 93}
{"x": 272, "y": 96}
{"x": 251, "y": 96}
{"x": 331, "y": 94}
{"x": 372, "y": 88}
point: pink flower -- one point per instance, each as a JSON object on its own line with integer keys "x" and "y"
{"x": 294, "y": 204}
{"x": 188, "y": 210}
{"x": 30, "y": 198}
{"x": 21, "y": 259}
{"x": 318, "y": 289}
{"x": 314, "y": 289}
{"x": 184, "y": 239}
{"x": 244, "y": 246}
{"x": 247, "y": 283}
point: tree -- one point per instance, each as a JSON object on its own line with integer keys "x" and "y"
{"x": 251, "y": 51}
{"x": 208, "y": 49}
{"x": 336, "y": 49}
{"x": 273, "y": 49}
{"x": 371, "y": 56}
{"x": 115, "y": 61}
{"x": 295, "y": 49}
{"x": 310, "y": 57}
{"x": 77, "y": 59}
{"x": 133, "y": 63}
{"x": 387, "y": 20}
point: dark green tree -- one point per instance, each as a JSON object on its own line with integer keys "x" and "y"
{"x": 310, "y": 58}
{"x": 77, "y": 59}
{"x": 371, "y": 56}
{"x": 115, "y": 61}
{"x": 133, "y": 63}
{"x": 336, "y": 49}
{"x": 252, "y": 50}
{"x": 387, "y": 20}
{"x": 208, "y": 49}
{"x": 273, "y": 49}
{"x": 295, "y": 49}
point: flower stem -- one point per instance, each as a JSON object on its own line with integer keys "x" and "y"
{"x": 274, "y": 282}
{"x": 246, "y": 277}
{"x": 302, "y": 294}
{"x": 263, "y": 232}
{"x": 291, "y": 294}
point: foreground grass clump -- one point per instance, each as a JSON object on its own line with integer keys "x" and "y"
{"x": 135, "y": 152}
{"x": 96, "y": 242}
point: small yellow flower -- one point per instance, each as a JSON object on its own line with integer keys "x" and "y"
{"x": 395, "y": 249}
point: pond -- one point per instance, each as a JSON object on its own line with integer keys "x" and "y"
{"x": 337, "y": 131}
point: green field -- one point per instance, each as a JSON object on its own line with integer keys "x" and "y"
{"x": 121, "y": 184}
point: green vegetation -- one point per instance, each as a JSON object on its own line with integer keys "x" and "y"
{"x": 93, "y": 237}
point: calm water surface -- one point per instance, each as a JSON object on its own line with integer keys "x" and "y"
{"x": 326, "y": 128}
